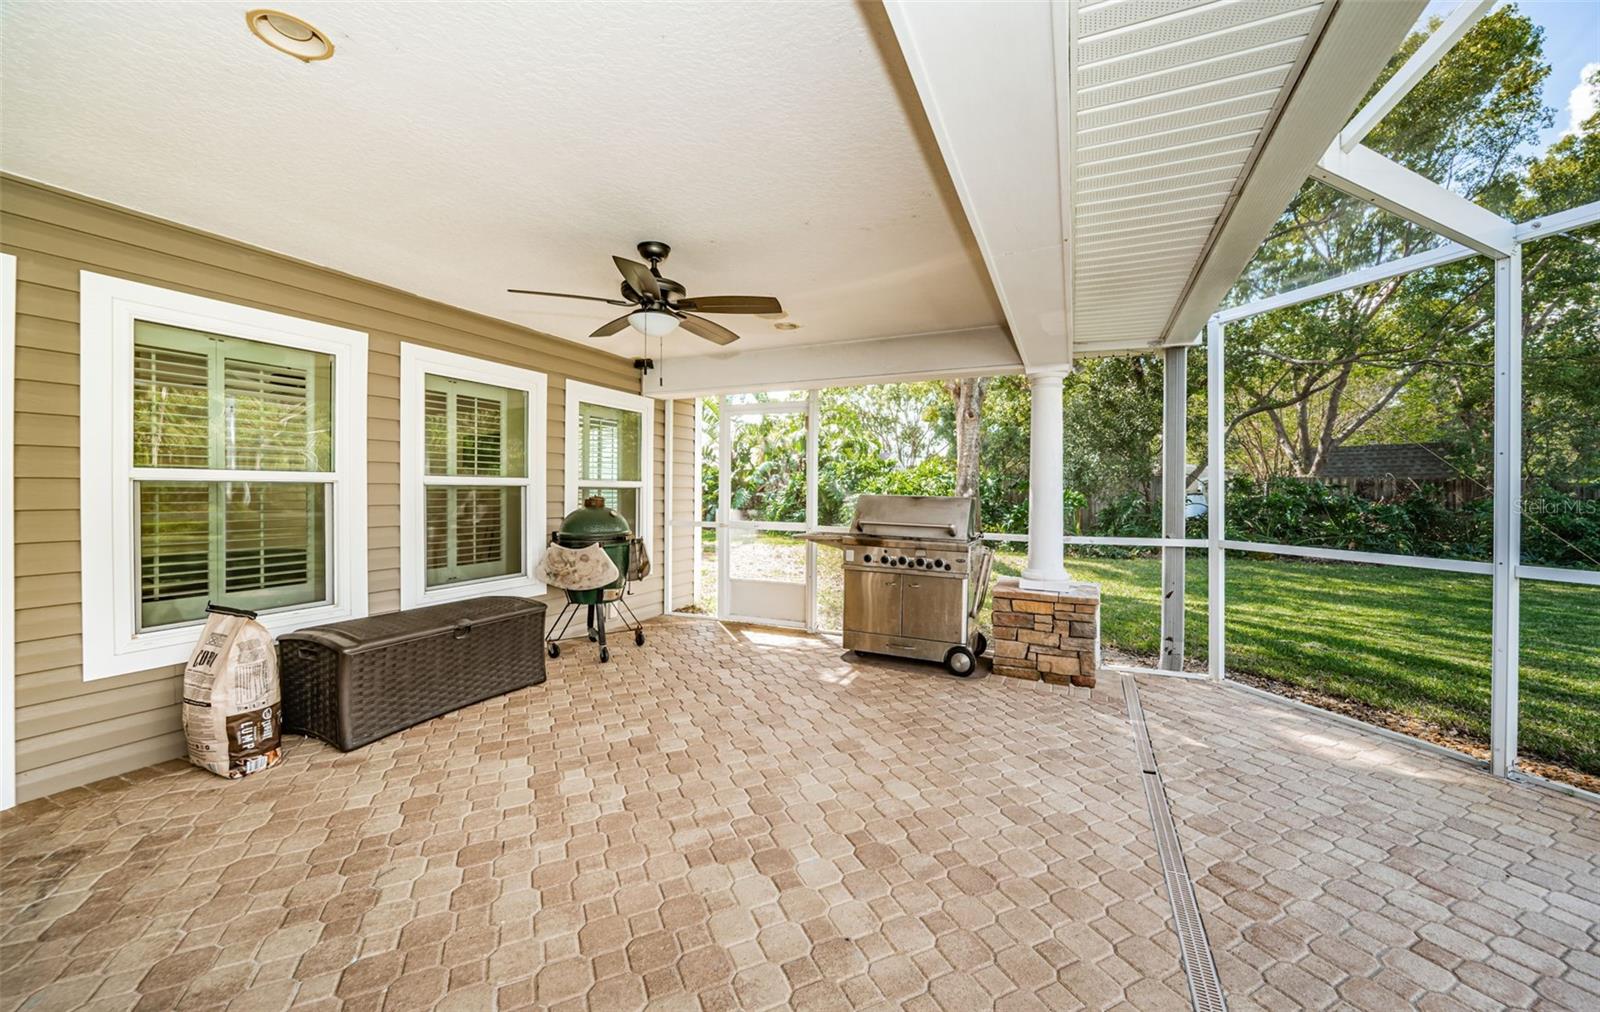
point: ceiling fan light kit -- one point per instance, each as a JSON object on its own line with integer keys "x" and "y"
{"x": 653, "y": 322}
{"x": 661, "y": 305}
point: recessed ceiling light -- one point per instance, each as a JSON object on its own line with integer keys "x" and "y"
{"x": 786, "y": 326}
{"x": 288, "y": 34}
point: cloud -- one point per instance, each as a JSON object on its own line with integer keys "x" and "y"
{"x": 1583, "y": 100}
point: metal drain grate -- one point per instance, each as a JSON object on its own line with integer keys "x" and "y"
{"x": 1205, "y": 989}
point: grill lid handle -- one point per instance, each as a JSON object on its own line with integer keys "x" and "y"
{"x": 947, "y": 528}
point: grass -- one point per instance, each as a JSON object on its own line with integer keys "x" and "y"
{"x": 1409, "y": 641}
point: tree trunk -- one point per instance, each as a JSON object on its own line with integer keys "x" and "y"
{"x": 968, "y": 395}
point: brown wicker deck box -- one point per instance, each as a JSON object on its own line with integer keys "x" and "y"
{"x": 354, "y": 682}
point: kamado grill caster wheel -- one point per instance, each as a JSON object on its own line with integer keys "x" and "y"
{"x": 555, "y": 650}
{"x": 638, "y": 637}
{"x": 960, "y": 661}
{"x": 605, "y": 654}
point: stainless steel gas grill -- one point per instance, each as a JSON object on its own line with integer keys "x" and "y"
{"x": 915, "y": 577}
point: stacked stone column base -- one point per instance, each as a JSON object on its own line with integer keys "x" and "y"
{"x": 1047, "y": 635}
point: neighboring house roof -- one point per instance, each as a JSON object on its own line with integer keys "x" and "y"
{"x": 1420, "y": 461}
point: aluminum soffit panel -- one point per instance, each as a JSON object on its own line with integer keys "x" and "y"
{"x": 1170, "y": 101}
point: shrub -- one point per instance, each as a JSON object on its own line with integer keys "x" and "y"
{"x": 1304, "y": 511}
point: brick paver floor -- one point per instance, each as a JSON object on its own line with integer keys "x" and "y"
{"x": 740, "y": 818}
{"x": 1337, "y": 868}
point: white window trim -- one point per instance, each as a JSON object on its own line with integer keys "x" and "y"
{"x": 416, "y": 362}
{"x": 108, "y": 308}
{"x": 588, "y": 393}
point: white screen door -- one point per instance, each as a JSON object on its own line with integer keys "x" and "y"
{"x": 766, "y": 456}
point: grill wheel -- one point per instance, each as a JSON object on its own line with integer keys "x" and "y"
{"x": 960, "y": 661}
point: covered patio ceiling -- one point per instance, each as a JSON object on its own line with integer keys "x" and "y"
{"x": 930, "y": 189}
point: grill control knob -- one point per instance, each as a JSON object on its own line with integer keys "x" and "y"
{"x": 866, "y": 558}
{"x": 902, "y": 560}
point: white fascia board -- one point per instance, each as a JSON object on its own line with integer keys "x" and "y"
{"x": 986, "y": 75}
{"x": 1123, "y": 346}
{"x": 1432, "y": 50}
{"x": 1385, "y": 183}
{"x": 977, "y": 352}
{"x": 1355, "y": 44}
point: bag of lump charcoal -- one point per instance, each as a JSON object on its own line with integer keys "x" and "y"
{"x": 232, "y": 710}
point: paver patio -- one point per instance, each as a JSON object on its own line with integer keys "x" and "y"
{"x": 742, "y": 818}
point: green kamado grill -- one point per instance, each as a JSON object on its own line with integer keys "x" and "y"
{"x": 594, "y": 523}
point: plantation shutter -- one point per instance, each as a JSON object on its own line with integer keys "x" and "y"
{"x": 175, "y": 550}
{"x": 478, "y": 435}
{"x": 602, "y": 448}
{"x": 267, "y": 416}
{"x": 171, "y": 407}
{"x": 472, "y": 430}
{"x": 436, "y": 431}
{"x": 267, "y": 542}
{"x": 437, "y": 544}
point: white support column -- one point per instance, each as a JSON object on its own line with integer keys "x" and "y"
{"x": 1174, "y": 483}
{"x": 1216, "y": 505}
{"x": 813, "y": 430}
{"x": 1507, "y": 509}
{"x": 1046, "y": 515}
{"x": 724, "y": 499}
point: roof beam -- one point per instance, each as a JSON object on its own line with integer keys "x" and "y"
{"x": 1385, "y": 183}
{"x": 905, "y": 358}
{"x": 986, "y": 75}
{"x": 1432, "y": 50}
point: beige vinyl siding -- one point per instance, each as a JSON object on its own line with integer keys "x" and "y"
{"x": 685, "y": 504}
{"x": 70, "y": 732}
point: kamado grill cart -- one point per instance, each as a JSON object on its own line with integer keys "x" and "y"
{"x": 594, "y": 523}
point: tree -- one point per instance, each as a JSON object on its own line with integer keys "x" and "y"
{"x": 968, "y": 396}
{"x": 1406, "y": 358}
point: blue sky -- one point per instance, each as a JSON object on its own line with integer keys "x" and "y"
{"x": 1571, "y": 43}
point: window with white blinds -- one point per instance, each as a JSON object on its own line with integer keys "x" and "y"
{"x": 608, "y": 436}
{"x": 209, "y": 403}
{"x": 222, "y": 459}
{"x": 468, "y": 497}
{"x": 473, "y": 430}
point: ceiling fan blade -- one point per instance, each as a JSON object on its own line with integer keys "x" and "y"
{"x": 701, "y": 327}
{"x": 607, "y": 329}
{"x": 639, "y": 277}
{"x": 564, "y": 295}
{"x": 732, "y": 304}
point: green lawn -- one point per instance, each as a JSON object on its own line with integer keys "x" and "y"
{"x": 1411, "y": 641}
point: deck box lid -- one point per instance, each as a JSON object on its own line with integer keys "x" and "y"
{"x": 378, "y": 631}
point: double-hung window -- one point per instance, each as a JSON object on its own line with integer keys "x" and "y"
{"x": 223, "y": 461}
{"x": 608, "y": 451}
{"x": 472, "y": 501}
